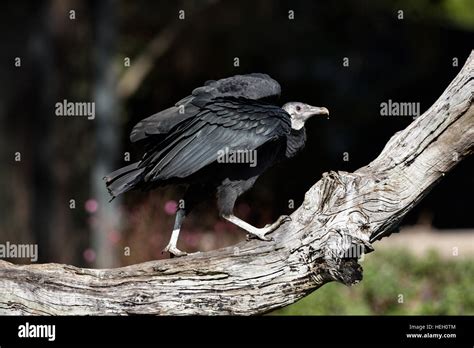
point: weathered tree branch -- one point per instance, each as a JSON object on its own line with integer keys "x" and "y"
{"x": 341, "y": 212}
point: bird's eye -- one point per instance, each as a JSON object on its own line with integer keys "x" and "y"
{"x": 298, "y": 108}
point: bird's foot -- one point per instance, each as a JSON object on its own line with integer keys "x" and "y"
{"x": 253, "y": 231}
{"x": 261, "y": 233}
{"x": 174, "y": 251}
{"x": 280, "y": 221}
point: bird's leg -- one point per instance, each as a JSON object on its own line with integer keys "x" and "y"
{"x": 260, "y": 233}
{"x": 171, "y": 247}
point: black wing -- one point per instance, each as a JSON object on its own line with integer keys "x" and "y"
{"x": 235, "y": 123}
{"x": 251, "y": 86}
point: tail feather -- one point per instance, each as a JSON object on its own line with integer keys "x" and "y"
{"x": 123, "y": 179}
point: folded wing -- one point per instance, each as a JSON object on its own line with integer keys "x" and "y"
{"x": 251, "y": 86}
{"x": 235, "y": 123}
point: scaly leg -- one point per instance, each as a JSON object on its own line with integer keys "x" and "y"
{"x": 254, "y": 231}
{"x": 171, "y": 247}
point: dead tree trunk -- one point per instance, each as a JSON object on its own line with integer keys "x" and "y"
{"x": 342, "y": 213}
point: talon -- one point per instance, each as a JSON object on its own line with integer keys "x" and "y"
{"x": 174, "y": 251}
{"x": 284, "y": 218}
{"x": 259, "y": 236}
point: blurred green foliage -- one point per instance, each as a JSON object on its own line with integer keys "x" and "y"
{"x": 461, "y": 12}
{"x": 429, "y": 285}
{"x": 458, "y": 13}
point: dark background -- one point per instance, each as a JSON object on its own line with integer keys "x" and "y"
{"x": 82, "y": 59}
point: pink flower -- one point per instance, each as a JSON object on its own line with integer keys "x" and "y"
{"x": 91, "y": 205}
{"x": 170, "y": 207}
{"x": 113, "y": 236}
{"x": 89, "y": 255}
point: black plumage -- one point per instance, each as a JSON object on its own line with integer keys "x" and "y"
{"x": 251, "y": 86}
{"x": 183, "y": 144}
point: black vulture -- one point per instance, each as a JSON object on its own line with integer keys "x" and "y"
{"x": 218, "y": 140}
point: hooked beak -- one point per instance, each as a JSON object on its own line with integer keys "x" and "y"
{"x": 316, "y": 110}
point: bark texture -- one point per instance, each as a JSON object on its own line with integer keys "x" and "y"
{"x": 342, "y": 215}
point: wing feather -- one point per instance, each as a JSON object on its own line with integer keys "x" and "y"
{"x": 196, "y": 142}
{"x": 251, "y": 86}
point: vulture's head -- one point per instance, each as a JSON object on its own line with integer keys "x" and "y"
{"x": 301, "y": 112}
